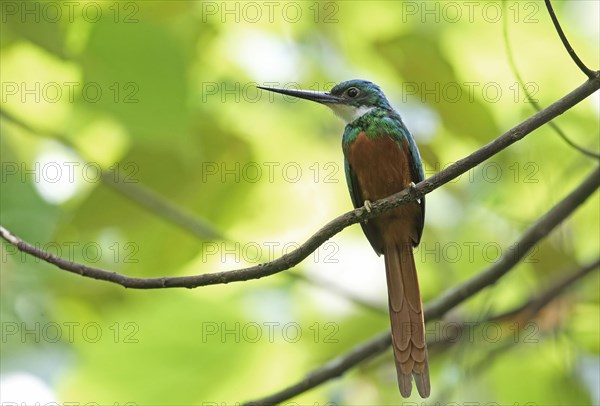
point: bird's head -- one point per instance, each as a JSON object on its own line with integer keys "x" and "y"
{"x": 348, "y": 100}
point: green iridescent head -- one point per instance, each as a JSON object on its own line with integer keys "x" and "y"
{"x": 349, "y": 100}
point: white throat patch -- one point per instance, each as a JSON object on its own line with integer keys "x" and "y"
{"x": 349, "y": 113}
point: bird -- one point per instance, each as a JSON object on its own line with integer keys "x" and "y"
{"x": 381, "y": 158}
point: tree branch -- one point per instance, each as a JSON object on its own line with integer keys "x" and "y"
{"x": 452, "y": 297}
{"x": 529, "y": 309}
{"x": 587, "y": 71}
{"x": 333, "y": 227}
{"x": 520, "y": 316}
{"x": 533, "y": 306}
{"x": 517, "y": 251}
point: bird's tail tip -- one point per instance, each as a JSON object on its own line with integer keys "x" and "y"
{"x": 421, "y": 381}
{"x": 405, "y": 384}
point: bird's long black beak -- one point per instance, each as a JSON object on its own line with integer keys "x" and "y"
{"x": 312, "y": 95}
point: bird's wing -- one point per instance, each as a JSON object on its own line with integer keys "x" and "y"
{"x": 359, "y": 201}
{"x": 407, "y": 142}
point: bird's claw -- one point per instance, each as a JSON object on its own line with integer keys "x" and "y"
{"x": 412, "y": 189}
{"x": 368, "y": 206}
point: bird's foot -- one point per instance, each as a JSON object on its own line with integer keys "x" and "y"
{"x": 368, "y": 206}
{"x": 412, "y": 189}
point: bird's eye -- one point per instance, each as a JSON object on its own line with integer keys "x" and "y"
{"x": 352, "y": 92}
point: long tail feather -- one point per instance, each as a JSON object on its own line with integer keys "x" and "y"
{"x": 406, "y": 316}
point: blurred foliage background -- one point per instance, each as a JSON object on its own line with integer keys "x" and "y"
{"x": 131, "y": 102}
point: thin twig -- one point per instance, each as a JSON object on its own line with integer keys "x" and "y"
{"x": 155, "y": 203}
{"x": 342, "y": 292}
{"x": 293, "y": 258}
{"x": 449, "y": 299}
{"x": 587, "y": 71}
{"x": 531, "y": 307}
{"x": 521, "y": 315}
{"x": 513, "y": 67}
{"x": 541, "y": 228}
{"x": 527, "y": 312}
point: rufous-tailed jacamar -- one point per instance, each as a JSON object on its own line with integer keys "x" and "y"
{"x": 381, "y": 158}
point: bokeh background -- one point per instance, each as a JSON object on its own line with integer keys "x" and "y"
{"x": 151, "y": 153}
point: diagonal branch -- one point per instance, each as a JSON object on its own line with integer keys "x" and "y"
{"x": 155, "y": 203}
{"x": 517, "y": 251}
{"x": 527, "y": 312}
{"x": 333, "y": 227}
{"x": 531, "y": 307}
{"x": 587, "y": 71}
{"x": 452, "y": 297}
